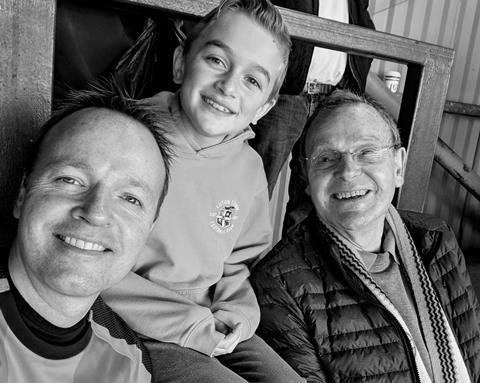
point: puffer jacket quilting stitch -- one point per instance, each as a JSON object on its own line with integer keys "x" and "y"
{"x": 327, "y": 326}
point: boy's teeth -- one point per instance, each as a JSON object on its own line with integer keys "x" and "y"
{"x": 350, "y": 194}
{"x": 217, "y": 106}
{"x": 84, "y": 245}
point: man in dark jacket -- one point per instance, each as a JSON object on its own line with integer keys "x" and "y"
{"x": 359, "y": 292}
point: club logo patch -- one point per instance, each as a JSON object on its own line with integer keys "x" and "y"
{"x": 222, "y": 220}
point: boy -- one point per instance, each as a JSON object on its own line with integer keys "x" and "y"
{"x": 190, "y": 296}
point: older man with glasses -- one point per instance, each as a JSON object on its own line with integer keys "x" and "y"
{"x": 358, "y": 291}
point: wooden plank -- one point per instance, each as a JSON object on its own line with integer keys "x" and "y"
{"x": 324, "y": 32}
{"x": 425, "y": 126}
{"x": 462, "y": 109}
{"x": 26, "y": 64}
{"x": 454, "y": 165}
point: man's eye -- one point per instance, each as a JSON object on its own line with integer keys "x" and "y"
{"x": 132, "y": 200}
{"x": 328, "y": 157}
{"x": 68, "y": 180}
{"x": 368, "y": 153}
{"x": 215, "y": 61}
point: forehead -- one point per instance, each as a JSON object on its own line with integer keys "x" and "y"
{"x": 249, "y": 41}
{"x": 99, "y": 139}
{"x": 347, "y": 125}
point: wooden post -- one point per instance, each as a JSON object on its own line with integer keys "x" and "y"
{"x": 26, "y": 67}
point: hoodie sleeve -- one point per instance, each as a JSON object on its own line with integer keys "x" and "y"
{"x": 137, "y": 297}
{"x": 234, "y": 300}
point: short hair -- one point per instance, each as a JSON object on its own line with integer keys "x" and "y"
{"x": 113, "y": 95}
{"x": 342, "y": 98}
{"x": 326, "y": 108}
{"x": 265, "y": 14}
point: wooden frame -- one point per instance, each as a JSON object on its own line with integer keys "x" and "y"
{"x": 26, "y": 65}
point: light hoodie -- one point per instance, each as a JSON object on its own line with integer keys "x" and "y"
{"x": 213, "y": 223}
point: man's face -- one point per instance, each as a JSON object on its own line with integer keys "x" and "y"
{"x": 351, "y": 196}
{"x": 227, "y": 77}
{"x": 88, "y": 206}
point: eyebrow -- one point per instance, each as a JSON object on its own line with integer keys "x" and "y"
{"x": 220, "y": 44}
{"x": 132, "y": 181}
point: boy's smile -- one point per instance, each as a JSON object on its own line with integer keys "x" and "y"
{"x": 227, "y": 77}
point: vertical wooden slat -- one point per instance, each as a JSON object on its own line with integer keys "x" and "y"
{"x": 26, "y": 65}
{"x": 427, "y": 117}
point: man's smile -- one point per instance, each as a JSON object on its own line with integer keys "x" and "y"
{"x": 351, "y": 194}
{"x": 82, "y": 244}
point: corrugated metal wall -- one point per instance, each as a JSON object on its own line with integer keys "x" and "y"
{"x": 454, "y": 24}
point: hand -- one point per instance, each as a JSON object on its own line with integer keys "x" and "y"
{"x": 229, "y": 342}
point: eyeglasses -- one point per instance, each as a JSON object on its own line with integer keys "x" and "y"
{"x": 363, "y": 156}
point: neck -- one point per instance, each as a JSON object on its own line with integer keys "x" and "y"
{"x": 367, "y": 239}
{"x": 58, "y": 309}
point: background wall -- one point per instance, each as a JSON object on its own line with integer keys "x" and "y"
{"x": 454, "y": 24}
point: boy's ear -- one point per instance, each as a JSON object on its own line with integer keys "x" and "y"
{"x": 264, "y": 109}
{"x": 178, "y": 65}
{"x": 17, "y": 207}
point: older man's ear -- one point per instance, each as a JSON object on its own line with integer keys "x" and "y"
{"x": 400, "y": 161}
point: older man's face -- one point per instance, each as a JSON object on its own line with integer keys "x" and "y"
{"x": 88, "y": 206}
{"x": 350, "y": 195}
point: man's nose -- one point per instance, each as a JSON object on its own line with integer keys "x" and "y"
{"x": 95, "y": 207}
{"x": 348, "y": 167}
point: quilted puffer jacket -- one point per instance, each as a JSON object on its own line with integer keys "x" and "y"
{"x": 327, "y": 326}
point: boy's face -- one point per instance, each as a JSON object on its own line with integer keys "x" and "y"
{"x": 227, "y": 77}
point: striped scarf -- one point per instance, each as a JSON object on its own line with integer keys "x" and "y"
{"x": 447, "y": 362}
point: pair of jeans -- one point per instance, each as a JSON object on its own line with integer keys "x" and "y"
{"x": 252, "y": 361}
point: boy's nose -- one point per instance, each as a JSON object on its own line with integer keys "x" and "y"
{"x": 95, "y": 208}
{"x": 227, "y": 84}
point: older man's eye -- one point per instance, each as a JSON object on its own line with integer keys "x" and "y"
{"x": 68, "y": 180}
{"x": 327, "y": 157}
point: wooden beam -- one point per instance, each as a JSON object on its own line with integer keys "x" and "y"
{"x": 454, "y": 165}
{"x": 26, "y": 67}
{"x": 462, "y": 109}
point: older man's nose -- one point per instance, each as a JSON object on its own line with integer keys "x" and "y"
{"x": 348, "y": 167}
{"x": 95, "y": 207}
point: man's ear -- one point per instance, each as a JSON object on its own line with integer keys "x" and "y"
{"x": 17, "y": 207}
{"x": 400, "y": 162}
{"x": 264, "y": 109}
{"x": 178, "y": 65}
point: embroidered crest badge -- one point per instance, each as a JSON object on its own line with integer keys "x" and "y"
{"x": 222, "y": 220}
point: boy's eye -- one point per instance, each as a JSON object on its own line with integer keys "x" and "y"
{"x": 132, "y": 200}
{"x": 254, "y": 82}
